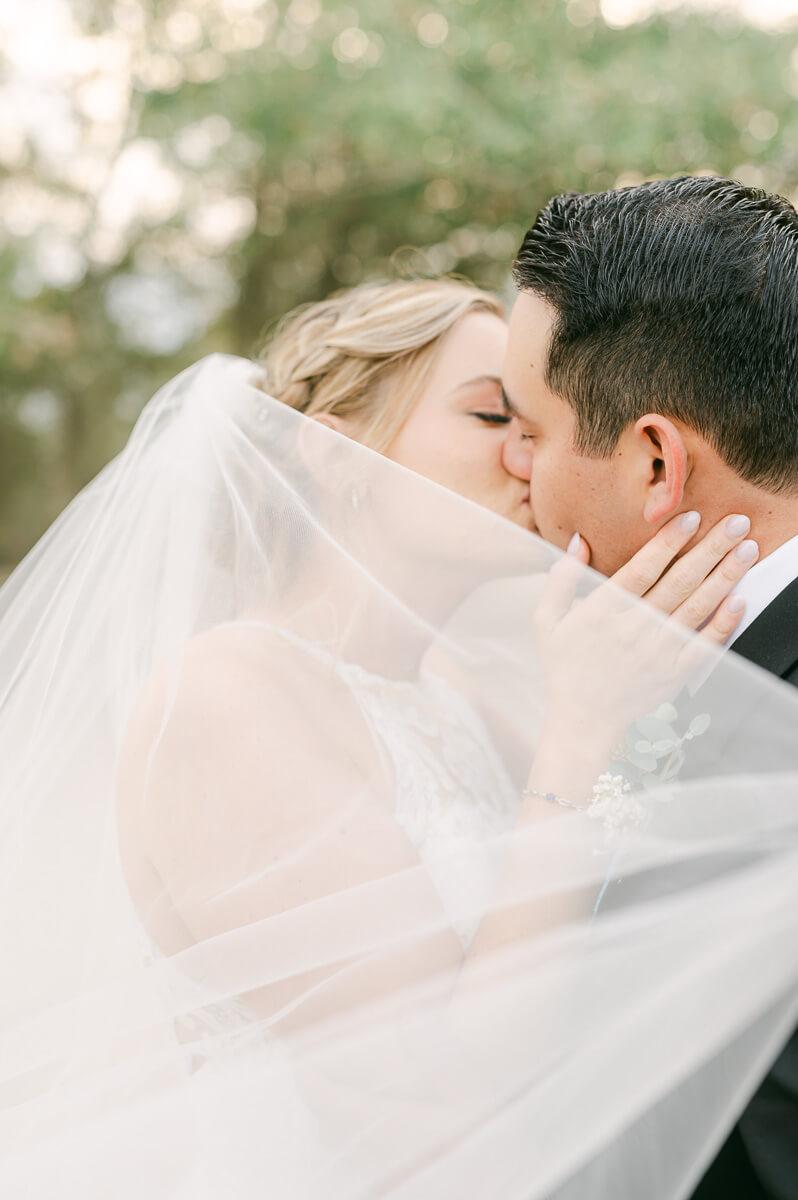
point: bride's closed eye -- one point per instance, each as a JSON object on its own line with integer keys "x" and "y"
{"x": 492, "y": 418}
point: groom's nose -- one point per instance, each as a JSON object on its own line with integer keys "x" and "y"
{"x": 517, "y": 453}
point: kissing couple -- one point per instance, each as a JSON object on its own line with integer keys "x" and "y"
{"x": 400, "y": 771}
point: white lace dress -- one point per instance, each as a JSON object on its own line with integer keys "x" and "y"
{"x": 452, "y": 793}
{"x": 452, "y": 790}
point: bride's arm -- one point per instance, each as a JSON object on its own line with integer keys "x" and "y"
{"x": 253, "y": 802}
{"x": 595, "y": 668}
{"x": 607, "y": 660}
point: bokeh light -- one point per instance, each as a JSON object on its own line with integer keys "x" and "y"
{"x": 176, "y": 175}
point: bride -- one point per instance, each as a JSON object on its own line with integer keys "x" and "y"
{"x": 296, "y": 732}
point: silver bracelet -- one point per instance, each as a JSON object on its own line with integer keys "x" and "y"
{"x": 612, "y": 802}
{"x": 552, "y": 798}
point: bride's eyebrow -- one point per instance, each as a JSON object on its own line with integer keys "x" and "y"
{"x": 477, "y": 380}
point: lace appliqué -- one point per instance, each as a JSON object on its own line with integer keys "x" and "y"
{"x": 452, "y": 791}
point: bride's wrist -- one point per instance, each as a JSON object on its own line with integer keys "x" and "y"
{"x": 568, "y": 761}
{"x": 583, "y": 734}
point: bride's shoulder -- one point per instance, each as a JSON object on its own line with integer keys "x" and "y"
{"x": 235, "y": 661}
{"x": 238, "y": 684}
{"x": 247, "y": 762}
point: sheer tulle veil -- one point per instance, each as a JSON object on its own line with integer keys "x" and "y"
{"x": 227, "y": 970}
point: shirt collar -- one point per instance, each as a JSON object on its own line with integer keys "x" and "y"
{"x": 760, "y": 586}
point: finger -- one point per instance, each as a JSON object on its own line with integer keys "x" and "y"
{"x": 700, "y": 650}
{"x": 579, "y": 549}
{"x": 725, "y": 621}
{"x": 560, "y": 587}
{"x": 607, "y": 601}
{"x": 707, "y": 597}
{"x": 643, "y": 570}
{"x": 685, "y": 576}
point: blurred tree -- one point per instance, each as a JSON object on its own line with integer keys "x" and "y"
{"x": 188, "y": 170}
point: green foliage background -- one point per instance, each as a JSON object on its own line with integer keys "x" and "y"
{"x": 334, "y": 133}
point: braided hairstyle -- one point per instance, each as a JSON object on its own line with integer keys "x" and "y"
{"x": 365, "y": 353}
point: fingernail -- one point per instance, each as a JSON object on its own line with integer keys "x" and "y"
{"x": 690, "y": 521}
{"x": 735, "y": 604}
{"x": 574, "y": 544}
{"x": 738, "y": 526}
{"x": 747, "y": 551}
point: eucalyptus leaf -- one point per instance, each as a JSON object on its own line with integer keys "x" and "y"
{"x": 627, "y": 770}
{"x": 654, "y": 729}
{"x": 646, "y": 762}
{"x": 700, "y": 724}
{"x": 666, "y": 712}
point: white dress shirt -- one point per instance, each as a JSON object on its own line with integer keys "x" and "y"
{"x": 763, "y": 583}
{"x": 759, "y": 588}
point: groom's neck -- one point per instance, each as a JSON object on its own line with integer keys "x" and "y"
{"x": 716, "y": 491}
{"x": 774, "y": 520}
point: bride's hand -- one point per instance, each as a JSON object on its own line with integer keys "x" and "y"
{"x": 692, "y": 589}
{"x": 609, "y": 655}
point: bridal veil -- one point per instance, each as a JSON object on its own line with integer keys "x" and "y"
{"x": 227, "y": 973}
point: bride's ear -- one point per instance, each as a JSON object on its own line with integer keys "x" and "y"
{"x": 326, "y": 459}
{"x": 339, "y": 424}
{"x": 666, "y": 466}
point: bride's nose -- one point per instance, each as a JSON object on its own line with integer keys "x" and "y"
{"x": 517, "y": 453}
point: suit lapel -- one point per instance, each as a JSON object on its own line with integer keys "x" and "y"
{"x": 771, "y": 641}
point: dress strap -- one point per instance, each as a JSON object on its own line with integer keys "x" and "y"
{"x": 321, "y": 655}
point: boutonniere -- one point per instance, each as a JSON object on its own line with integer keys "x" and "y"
{"x": 654, "y": 752}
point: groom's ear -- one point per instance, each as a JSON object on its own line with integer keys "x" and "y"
{"x": 665, "y": 463}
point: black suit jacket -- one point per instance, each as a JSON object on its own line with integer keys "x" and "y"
{"x": 759, "y": 1160}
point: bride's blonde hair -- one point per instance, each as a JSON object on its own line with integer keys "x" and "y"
{"x": 365, "y": 353}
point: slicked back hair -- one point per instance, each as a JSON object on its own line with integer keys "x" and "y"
{"x": 678, "y": 297}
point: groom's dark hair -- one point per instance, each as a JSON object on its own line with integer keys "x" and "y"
{"x": 678, "y": 297}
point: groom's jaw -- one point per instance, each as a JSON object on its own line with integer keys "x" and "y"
{"x": 570, "y": 491}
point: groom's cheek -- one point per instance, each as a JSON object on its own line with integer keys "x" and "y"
{"x": 552, "y": 518}
{"x": 563, "y": 503}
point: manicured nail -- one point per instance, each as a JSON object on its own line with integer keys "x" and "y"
{"x": 735, "y": 604}
{"x": 690, "y": 521}
{"x": 747, "y": 551}
{"x": 738, "y": 526}
{"x": 574, "y": 544}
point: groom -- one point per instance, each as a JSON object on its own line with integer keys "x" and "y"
{"x": 652, "y": 369}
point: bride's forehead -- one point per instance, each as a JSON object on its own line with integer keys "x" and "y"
{"x": 474, "y": 346}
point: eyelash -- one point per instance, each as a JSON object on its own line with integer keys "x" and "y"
{"x": 492, "y": 418}
{"x": 501, "y": 419}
